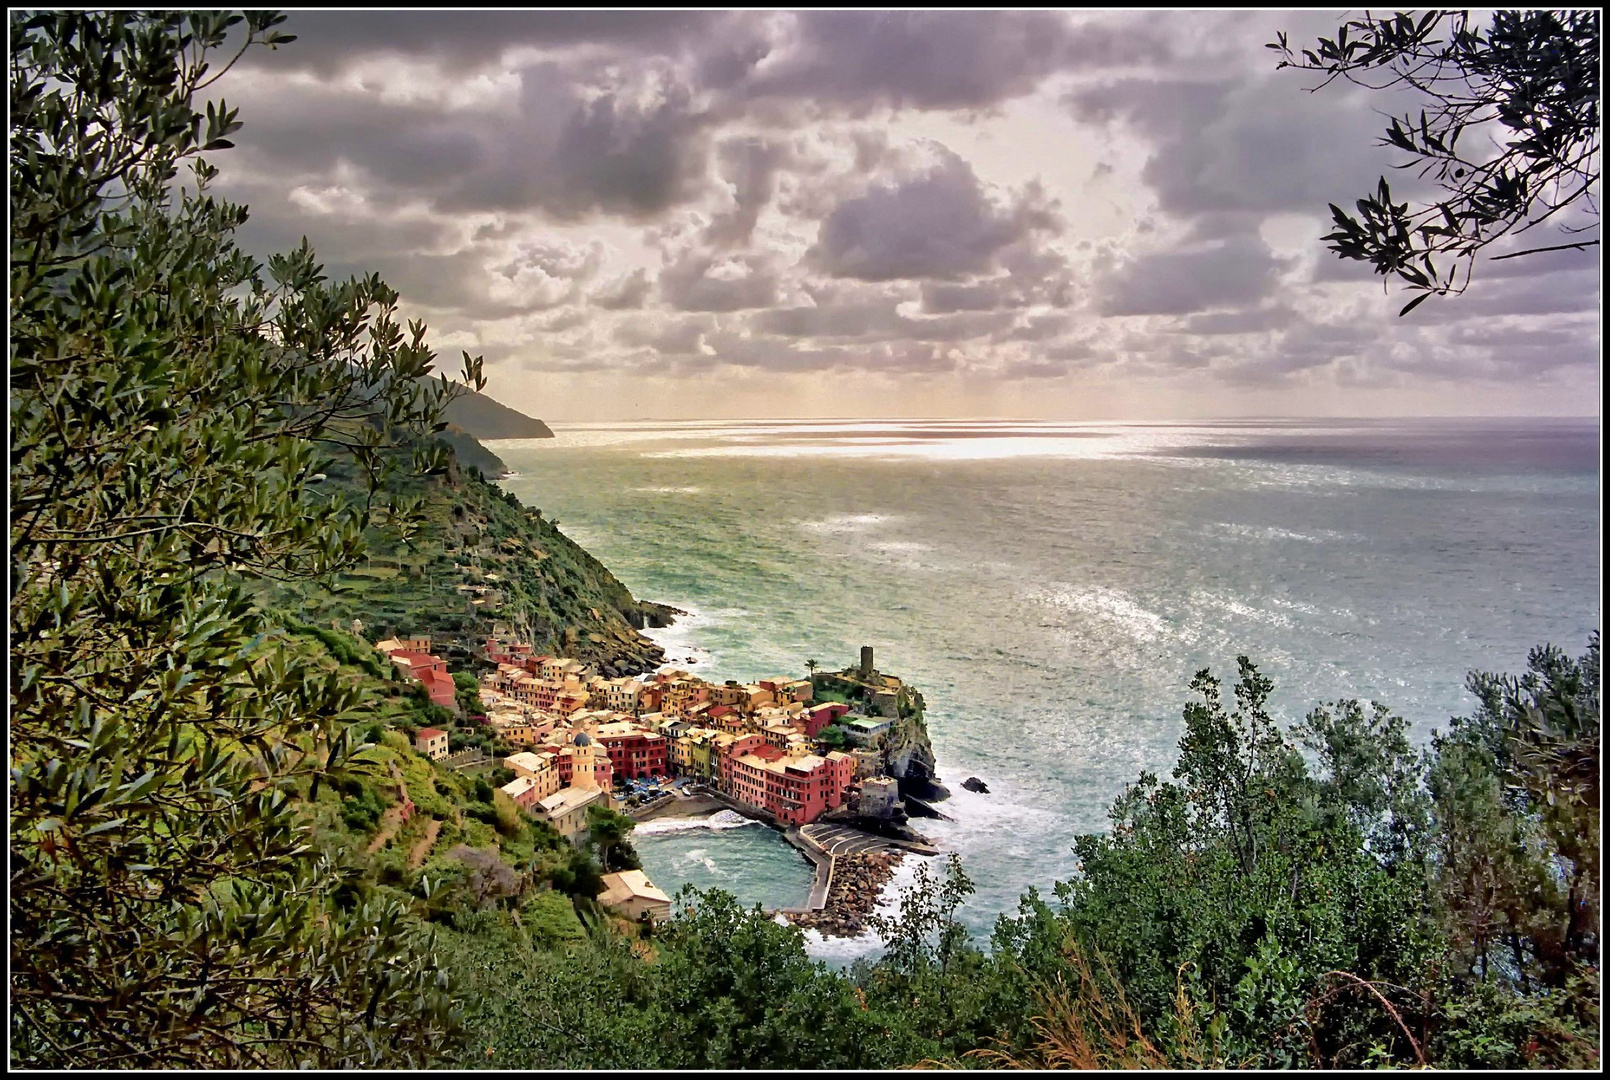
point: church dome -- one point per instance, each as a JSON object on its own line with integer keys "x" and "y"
{"x": 581, "y": 739}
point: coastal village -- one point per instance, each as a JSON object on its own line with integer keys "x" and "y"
{"x": 784, "y": 750}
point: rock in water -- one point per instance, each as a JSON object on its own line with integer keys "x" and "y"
{"x": 973, "y": 783}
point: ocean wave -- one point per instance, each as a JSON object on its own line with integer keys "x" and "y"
{"x": 1271, "y": 532}
{"x": 1236, "y": 607}
{"x": 845, "y": 523}
{"x": 702, "y": 858}
{"x": 663, "y": 489}
{"x": 722, "y": 819}
{"x": 1110, "y": 605}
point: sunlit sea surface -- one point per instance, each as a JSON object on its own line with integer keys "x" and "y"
{"x": 1051, "y": 587}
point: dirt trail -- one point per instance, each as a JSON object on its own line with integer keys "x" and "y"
{"x": 426, "y": 842}
{"x": 390, "y": 822}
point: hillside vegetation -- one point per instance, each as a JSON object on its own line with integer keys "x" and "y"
{"x": 478, "y": 560}
{"x": 211, "y": 863}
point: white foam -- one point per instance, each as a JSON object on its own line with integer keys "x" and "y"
{"x": 723, "y": 819}
{"x": 841, "y": 951}
{"x": 679, "y": 640}
{"x": 845, "y": 523}
{"x": 1236, "y": 607}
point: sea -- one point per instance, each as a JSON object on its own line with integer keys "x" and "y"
{"x": 1051, "y": 588}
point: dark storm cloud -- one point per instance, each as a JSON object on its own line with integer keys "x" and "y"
{"x": 569, "y": 156}
{"x": 1226, "y": 273}
{"x": 1247, "y": 143}
{"x": 860, "y": 60}
{"x": 329, "y": 41}
{"x": 936, "y": 225}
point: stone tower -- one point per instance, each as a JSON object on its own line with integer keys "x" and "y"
{"x": 866, "y": 661}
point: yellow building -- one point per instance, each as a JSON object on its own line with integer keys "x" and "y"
{"x": 541, "y": 769}
{"x": 566, "y": 810}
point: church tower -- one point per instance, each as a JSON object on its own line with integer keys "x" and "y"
{"x": 581, "y": 762}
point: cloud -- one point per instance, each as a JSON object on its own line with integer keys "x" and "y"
{"x": 940, "y": 224}
{"x": 860, "y": 60}
{"x": 702, "y": 281}
{"x": 626, "y": 292}
{"x": 331, "y": 41}
{"x": 750, "y": 164}
{"x": 665, "y": 335}
{"x": 1182, "y": 281}
{"x": 906, "y": 193}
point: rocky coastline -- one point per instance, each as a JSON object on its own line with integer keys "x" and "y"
{"x": 858, "y": 880}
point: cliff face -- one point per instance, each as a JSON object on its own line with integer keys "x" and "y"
{"x": 908, "y": 753}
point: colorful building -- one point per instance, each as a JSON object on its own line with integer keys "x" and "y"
{"x": 633, "y": 752}
{"x": 795, "y": 790}
{"x": 566, "y": 811}
{"x": 432, "y": 742}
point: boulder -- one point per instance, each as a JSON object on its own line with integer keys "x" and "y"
{"x": 973, "y": 783}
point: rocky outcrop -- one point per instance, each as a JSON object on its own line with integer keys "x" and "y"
{"x": 857, "y": 882}
{"x": 909, "y": 755}
{"x": 973, "y": 783}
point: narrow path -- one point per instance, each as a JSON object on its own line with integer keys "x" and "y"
{"x": 390, "y": 821}
{"x": 422, "y": 848}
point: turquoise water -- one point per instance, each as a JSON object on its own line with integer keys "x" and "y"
{"x": 1051, "y": 588}
{"x": 724, "y": 851}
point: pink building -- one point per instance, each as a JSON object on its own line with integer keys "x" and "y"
{"x": 794, "y": 790}
{"x": 818, "y": 717}
{"x": 439, "y": 684}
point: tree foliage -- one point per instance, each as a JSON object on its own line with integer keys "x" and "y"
{"x": 1524, "y": 94}
{"x": 173, "y": 409}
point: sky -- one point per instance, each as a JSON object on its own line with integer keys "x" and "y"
{"x": 667, "y": 214}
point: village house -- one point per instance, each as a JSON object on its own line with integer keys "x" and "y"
{"x": 862, "y": 730}
{"x": 523, "y": 790}
{"x": 542, "y": 769}
{"x": 631, "y": 893}
{"x": 555, "y": 669}
{"x": 818, "y": 717}
{"x": 566, "y": 811}
{"x": 795, "y": 790}
{"x": 633, "y": 752}
{"x": 409, "y": 644}
{"x": 432, "y": 742}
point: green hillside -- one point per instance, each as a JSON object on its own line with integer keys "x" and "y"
{"x": 482, "y": 563}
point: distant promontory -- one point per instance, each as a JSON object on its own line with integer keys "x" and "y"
{"x": 485, "y": 418}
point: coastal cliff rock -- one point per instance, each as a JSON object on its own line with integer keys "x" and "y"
{"x": 908, "y": 752}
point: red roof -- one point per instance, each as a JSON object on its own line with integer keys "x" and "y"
{"x": 768, "y": 752}
{"x": 430, "y": 732}
{"x": 722, "y": 710}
